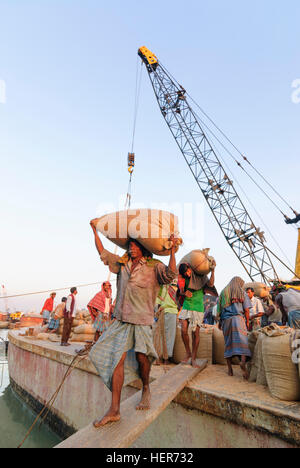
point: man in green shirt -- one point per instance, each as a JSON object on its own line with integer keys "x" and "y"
{"x": 191, "y": 290}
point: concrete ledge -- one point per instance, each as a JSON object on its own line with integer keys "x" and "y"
{"x": 242, "y": 403}
{"x": 51, "y": 350}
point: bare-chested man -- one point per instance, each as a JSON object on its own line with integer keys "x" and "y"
{"x": 127, "y": 345}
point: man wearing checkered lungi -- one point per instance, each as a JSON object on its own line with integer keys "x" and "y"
{"x": 126, "y": 351}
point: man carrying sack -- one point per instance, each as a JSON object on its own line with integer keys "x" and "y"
{"x": 126, "y": 351}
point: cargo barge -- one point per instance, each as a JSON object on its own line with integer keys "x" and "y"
{"x": 213, "y": 410}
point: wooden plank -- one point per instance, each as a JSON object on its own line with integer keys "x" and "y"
{"x": 133, "y": 423}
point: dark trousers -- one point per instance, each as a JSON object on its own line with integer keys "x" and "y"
{"x": 68, "y": 322}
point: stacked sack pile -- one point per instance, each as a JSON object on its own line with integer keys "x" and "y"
{"x": 82, "y": 329}
{"x": 205, "y": 350}
{"x": 275, "y": 361}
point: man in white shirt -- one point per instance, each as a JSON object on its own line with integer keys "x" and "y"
{"x": 69, "y": 315}
{"x": 257, "y": 310}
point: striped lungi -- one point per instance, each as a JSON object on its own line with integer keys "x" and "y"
{"x": 119, "y": 338}
{"x": 236, "y": 337}
{"x": 101, "y": 323}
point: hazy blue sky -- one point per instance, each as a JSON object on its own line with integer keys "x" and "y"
{"x": 69, "y": 68}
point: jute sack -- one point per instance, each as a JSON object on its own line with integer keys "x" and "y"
{"x": 218, "y": 347}
{"x": 258, "y": 373}
{"x": 77, "y": 323}
{"x": 260, "y": 289}
{"x": 85, "y": 314}
{"x": 42, "y": 336}
{"x": 53, "y": 337}
{"x": 152, "y": 228}
{"x": 76, "y": 337}
{"x": 200, "y": 261}
{"x": 37, "y": 331}
{"x": 205, "y": 346}
{"x": 252, "y": 340}
{"x": 84, "y": 330}
{"x": 282, "y": 373}
{"x": 4, "y": 325}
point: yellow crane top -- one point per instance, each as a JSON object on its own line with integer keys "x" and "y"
{"x": 147, "y": 56}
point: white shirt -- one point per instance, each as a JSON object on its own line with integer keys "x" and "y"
{"x": 107, "y": 306}
{"x": 257, "y": 307}
{"x": 69, "y": 303}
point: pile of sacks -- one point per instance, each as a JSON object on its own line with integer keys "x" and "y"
{"x": 211, "y": 347}
{"x": 82, "y": 318}
{"x": 82, "y": 329}
{"x": 276, "y": 362}
{"x": 83, "y": 333}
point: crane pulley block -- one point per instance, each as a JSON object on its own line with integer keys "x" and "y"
{"x": 131, "y": 162}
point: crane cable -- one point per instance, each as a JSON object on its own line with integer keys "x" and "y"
{"x": 138, "y": 82}
{"x": 255, "y": 210}
{"x": 249, "y": 162}
{"x": 48, "y": 291}
{"x": 240, "y": 153}
{"x": 127, "y": 204}
{"x": 240, "y": 165}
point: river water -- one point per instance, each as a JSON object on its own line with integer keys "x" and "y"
{"x": 16, "y": 417}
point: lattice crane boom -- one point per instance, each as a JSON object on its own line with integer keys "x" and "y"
{"x": 244, "y": 237}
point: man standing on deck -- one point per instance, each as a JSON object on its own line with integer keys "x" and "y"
{"x": 48, "y": 308}
{"x": 126, "y": 350}
{"x": 69, "y": 314}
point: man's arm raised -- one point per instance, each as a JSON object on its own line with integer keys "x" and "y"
{"x": 172, "y": 262}
{"x": 211, "y": 282}
{"x": 98, "y": 243}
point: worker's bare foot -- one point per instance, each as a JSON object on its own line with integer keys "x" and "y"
{"x": 158, "y": 362}
{"x": 187, "y": 359}
{"x": 109, "y": 417}
{"x": 244, "y": 370}
{"x": 230, "y": 373}
{"x": 144, "y": 404}
{"x": 194, "y": 364}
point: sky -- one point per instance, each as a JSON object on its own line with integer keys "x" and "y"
{"x": 67, "y": 91}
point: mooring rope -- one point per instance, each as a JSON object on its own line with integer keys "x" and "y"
{"x": 47, "y": 407}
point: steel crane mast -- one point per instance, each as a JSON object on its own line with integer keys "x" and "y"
{"x": 243, "y": 236}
